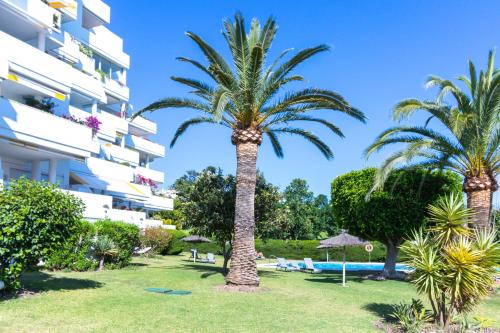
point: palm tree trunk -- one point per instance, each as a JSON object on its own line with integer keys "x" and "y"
{"x": 243, "y": 268}
{"x": 479, "y": 192}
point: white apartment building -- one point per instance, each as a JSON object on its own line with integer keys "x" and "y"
{"x": 61, "y": 69}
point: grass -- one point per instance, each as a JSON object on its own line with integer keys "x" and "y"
{"x": 115, "y": 301}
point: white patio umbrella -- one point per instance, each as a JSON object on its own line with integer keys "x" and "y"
{"x": 343, "y": 240}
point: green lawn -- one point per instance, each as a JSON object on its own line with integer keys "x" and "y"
{"x": 115, "y": 301}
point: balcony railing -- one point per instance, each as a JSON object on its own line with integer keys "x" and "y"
{"x": 99, "y": 9}
{"x": 155, "y": 175}
{"x": 117, "y": 89}
{"x": 39, "y": 11}
{"x": 32, "y": 126}
{"x": 120, "y": 155}
{"x": 144, "y": 145}
{"x": 144, "y": 125}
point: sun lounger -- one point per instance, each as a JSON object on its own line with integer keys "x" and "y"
{"x": 282, "y": 265}
{"x": 210, "y": 259}
{"x": 310, "y": 266}
{"x": 142, "y": 251}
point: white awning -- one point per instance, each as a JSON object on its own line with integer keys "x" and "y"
{"x": 115, "y": 188}
{"x": 31, "y": 84}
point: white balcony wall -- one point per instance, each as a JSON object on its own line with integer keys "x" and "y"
{"x": 37, "y": 10}
{"x": 27, "y": 60}
{"x": 160, "y": 203}
{"x": 155, "y": 175}
{"x": 99, "y": 9}
{"x": 70, "y": 49}
{"x": 111, "y": 170}
{"x": 118, "y": 124}
{"x": 68, "y": 7}
{"x": 144, "y": 125}
{"x": 32, "y": 126}
{"x": 119, "y": 154}
{"x": 97, "y": 206}
{"x": 127, "y": 216}
{"x": 116, "y": 89}
{"x": 144, "y": 145}
{"x": 108, "y": 44}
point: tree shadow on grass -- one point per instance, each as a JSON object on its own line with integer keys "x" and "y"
{"x": 336, "y": 278}
{"x": 38, "y": 282}
{"x": 382, "y": 310}
{"x": 208, "y": 270}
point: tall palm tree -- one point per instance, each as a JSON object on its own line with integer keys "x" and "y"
{"x": 244, "y": 98}
{"x": 468, "y": 144}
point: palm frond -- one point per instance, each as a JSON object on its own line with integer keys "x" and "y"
{"x": 322, "y": 147}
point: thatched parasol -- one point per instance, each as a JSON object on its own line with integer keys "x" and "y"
{"x": 195, "y": 239}
{"x": 343, "y": 240}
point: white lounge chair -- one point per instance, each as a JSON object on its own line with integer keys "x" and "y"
{"x": 282, "y": 264}
{"x": 210, "y": 259}
{"x": 142, "y": 251}
{"x": 310, "y": 266}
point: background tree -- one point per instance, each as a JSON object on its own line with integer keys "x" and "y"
{"x": 207, "y": 205}
{"x": 466, "y": 142}
{"x": 299, "y": 201}
{"x": 323, "y": 223}
{"x": 390, "y": 214}
{"x": 209, "y": 208}
{"x": 244, "y": 99}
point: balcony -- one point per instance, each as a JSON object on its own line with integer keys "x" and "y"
{"x": 103, "y": 169}
{"x": 109, "y": 45}
{"x": 28, "y": 61}
{"x": 120, "y": 155}
{"x": 118, "y": 124}
{"x": 69, "y": 8}
{"x": 155, "y": 175}
{"x": 37, "y": 11}
{"x": 143, "y": 125}
{"x": 95, "y": 13}
{"x": 144, "y": 145}
{"x": 97, "y": 206}
{"x": 35, "y": 127}
{"x": 159, "y": 203}
{"x": 116, "y": 89}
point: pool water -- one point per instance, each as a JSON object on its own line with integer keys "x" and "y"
{"x": 352, "y": 266}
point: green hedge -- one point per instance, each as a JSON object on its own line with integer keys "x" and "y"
{"x": 176, "y": 246}
{"x": 299, "y": 249}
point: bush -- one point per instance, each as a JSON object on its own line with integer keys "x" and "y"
{"x": 35, "y": 220}
{"x": 157, "y": 238}
{"x": 124, "y": 235}
{"x": 176, "y": 246}
{"x": 75, "y": 253}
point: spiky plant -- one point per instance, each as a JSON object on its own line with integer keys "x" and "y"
{"x": 103, "y": 247}
{"x": 454, "y": 266}
{"x": 248, "y": 97}
{"x": 467, "y": 143}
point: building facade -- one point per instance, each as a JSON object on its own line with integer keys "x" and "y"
{"x": 65, "y": 112}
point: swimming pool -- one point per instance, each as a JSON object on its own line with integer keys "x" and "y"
{"x": 353, "y": 266}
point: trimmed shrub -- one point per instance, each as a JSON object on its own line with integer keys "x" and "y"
{"x": 75, "y": 253}
{"x": 157, "y": 238}
{"x": 124, "y": 235}
{"x": 35, "y": 220}
{"x": 176, "y": 246}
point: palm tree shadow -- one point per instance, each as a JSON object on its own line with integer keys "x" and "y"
{"x": 382, "y": 310}
{"x": 357, "y": 277}
{"x": 208, "y": 270}
{"x": 38, "y": 282}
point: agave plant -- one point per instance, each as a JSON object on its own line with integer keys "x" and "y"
{"x": 468, "y": 144}
{"x": 249, "y": 99}
{"x": 454, "y": 266}
{"x": 103, "y": 247}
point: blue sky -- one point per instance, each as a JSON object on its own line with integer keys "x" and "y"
{"x": 382, "y": 52}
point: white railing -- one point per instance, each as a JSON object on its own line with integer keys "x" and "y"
{"x": 144, "y": 145}
{"x": 99, "y": 9}
{"x": 155, "y": 175}
{"x": 37, "y": 10}
{"x": 117, "y": 89}
{"x": 120, "y": 154}
{"x": 103, "y": 168}
{"x": 117, "y": 123}
{"x": 161, "y": 203}
{"x": 30, "y": 125}
{"x": 144, "y": 124}
{"x": 97, "y": 206}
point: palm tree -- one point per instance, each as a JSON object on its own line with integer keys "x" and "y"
{"x": 248, "y": 99}
{"x": 103, "y": 247}
{"x": 469, "y": 143}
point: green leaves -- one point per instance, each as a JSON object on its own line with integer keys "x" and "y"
{"x": 469, "y": 144}
{"x": 243, "y": 95}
